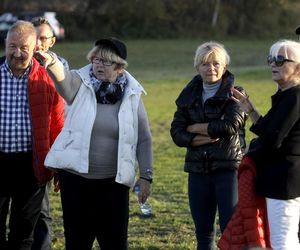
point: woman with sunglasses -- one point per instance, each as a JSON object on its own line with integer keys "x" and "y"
{"x": 106, "y": 129}
{"x": 276, "y": 150}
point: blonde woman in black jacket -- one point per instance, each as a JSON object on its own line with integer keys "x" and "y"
{"x": 208, "y": 123}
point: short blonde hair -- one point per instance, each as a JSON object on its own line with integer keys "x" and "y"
{"x": 106, "y": 54}
{"x": 23, "y": 27}
{"x": 286, "y": 46}
{"x": 208, "y": 49}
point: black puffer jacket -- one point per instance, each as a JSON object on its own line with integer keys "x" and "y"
{"x": 225, "y": 119}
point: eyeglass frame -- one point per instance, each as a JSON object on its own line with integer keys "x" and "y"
{"x": 103, "y": 61}
{"x": 279, "y": 60}
{"x": 44, "y": 38}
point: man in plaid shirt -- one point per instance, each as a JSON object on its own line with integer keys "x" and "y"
{"x": 31, "y": 116}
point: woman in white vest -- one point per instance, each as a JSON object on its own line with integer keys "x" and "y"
{"x": 106, "y": 130}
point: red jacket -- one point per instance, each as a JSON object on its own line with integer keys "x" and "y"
{"x": 248, "y": 226}
{"x": 47, "y": 117}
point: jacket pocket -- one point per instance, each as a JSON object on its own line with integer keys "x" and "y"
{"x": 68, "y": 139}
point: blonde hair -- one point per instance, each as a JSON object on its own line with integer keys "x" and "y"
{"x": 208, "y": 49}
{"x": 286, "y": 46}
{"x": 23, "y": 27}
{"x": 106, "y": 54}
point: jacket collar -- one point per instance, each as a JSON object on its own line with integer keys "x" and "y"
{"x": 193, "y": 90}
{"x": 133, "y": 87}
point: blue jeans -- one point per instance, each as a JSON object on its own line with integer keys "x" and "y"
{"x": 207, "y": 193}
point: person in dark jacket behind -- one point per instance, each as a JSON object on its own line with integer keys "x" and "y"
{"x": 208, "y": 123}
{"x": 31, "y": 116}
{"x": 276, "y": 150}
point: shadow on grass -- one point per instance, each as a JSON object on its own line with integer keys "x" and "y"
{"x": 142, "y": 216}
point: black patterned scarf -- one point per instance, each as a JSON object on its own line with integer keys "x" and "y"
{"x": 107, "y": 92}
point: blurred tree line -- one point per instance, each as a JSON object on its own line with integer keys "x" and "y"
{"x": 168, "y": 18}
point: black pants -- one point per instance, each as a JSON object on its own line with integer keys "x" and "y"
{"x": 19, "y": 187}
{"x": 94, "y": 209}
{"x": 43, "y": 228}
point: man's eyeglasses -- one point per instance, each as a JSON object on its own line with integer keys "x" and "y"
{"x": 279, "y": 60}
{"x": 97, "y": 60}
{"x": 44, "y": 38}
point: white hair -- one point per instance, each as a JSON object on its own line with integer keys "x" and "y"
{"x": 288, "y": 48}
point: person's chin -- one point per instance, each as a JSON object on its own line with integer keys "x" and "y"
{"x": 17, "y": 65}
{"x": 275, "y": 77}
{"x": 98, "y": 75}
{"x": 212, "y": 80}
{"x": 101, "y": 78}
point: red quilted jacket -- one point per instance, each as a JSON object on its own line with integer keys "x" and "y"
{"x": 47, "y": 118}
{"x": 248, "y": 226}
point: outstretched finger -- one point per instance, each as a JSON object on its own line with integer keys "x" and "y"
{"x": 237, "y": 94}
{"x": 235, "y": 99}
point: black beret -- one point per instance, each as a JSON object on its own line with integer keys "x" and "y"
{"x": 118, "y": 46}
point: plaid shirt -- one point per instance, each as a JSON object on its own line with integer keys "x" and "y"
{"x": 15, "y": 125}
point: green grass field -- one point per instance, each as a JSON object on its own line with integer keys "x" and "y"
{"x": 164, "y": 67}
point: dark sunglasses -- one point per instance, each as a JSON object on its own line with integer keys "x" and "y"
{"x": 279, "y": 60}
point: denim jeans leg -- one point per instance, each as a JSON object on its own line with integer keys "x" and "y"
{"x": 203, "y": 209}
{"x": 226, "y": 185}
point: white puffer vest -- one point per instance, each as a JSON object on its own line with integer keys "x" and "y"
{"x": 71, "y": 147}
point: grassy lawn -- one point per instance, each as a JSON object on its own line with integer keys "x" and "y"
{"x": 164, "y": 67}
